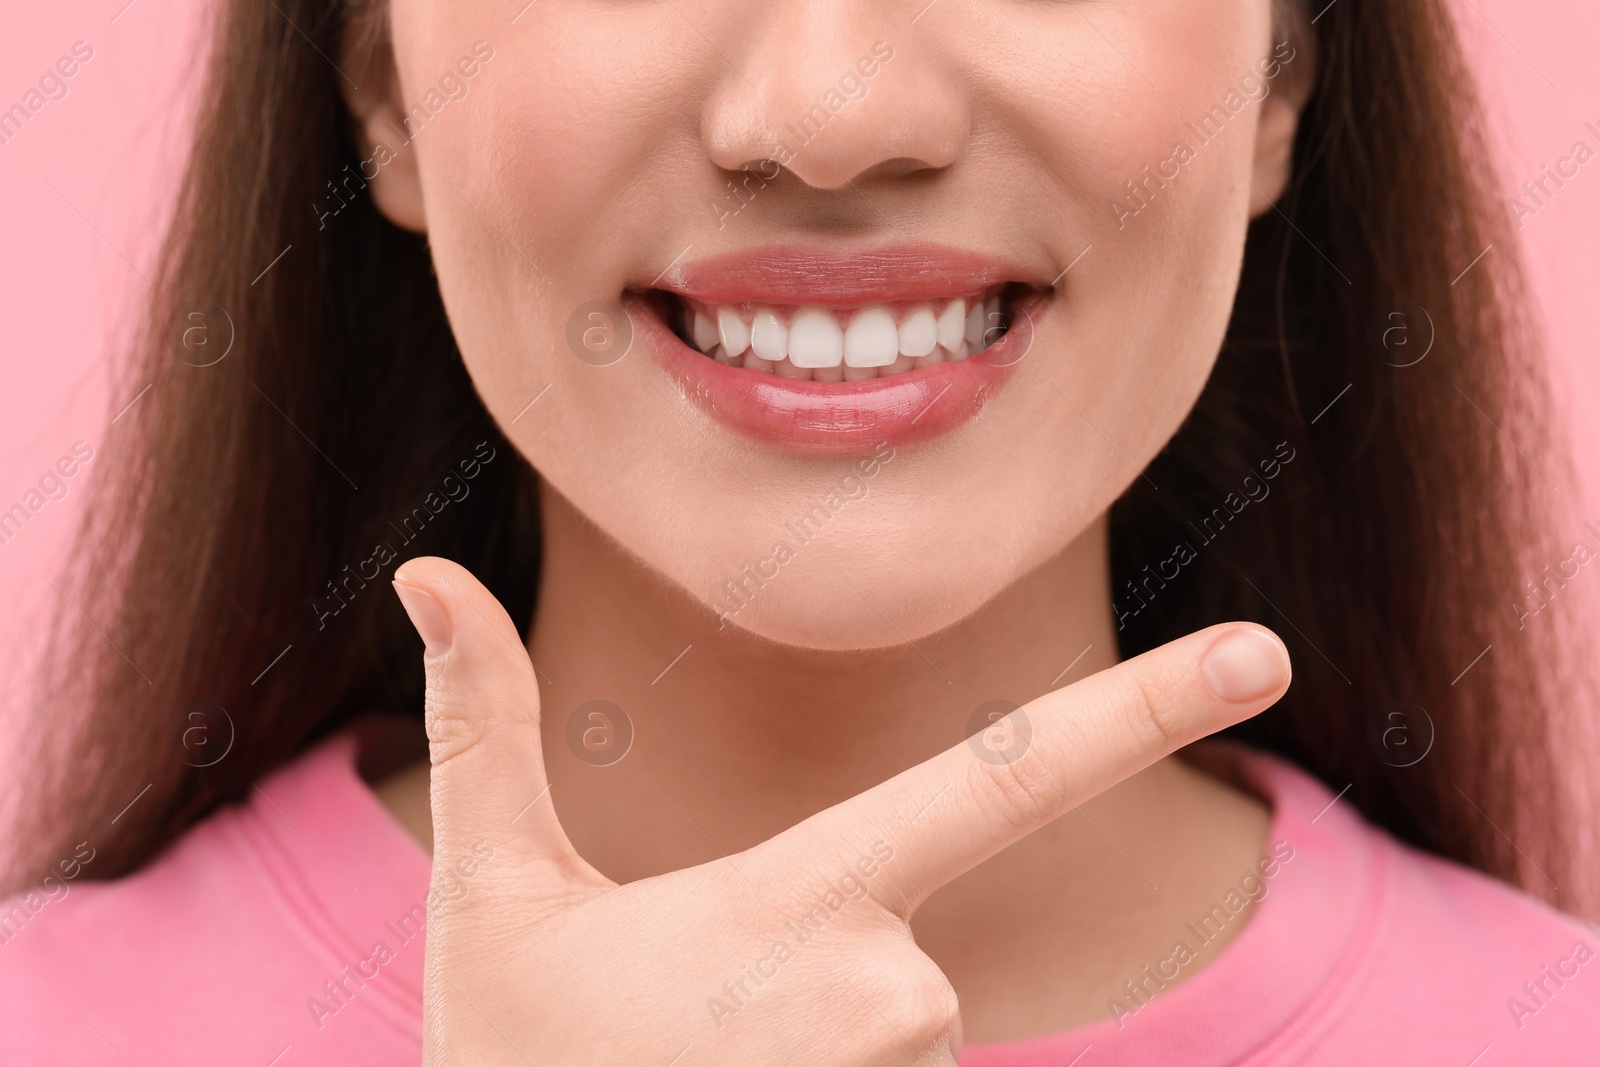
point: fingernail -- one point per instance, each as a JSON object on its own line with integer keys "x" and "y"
{"x": 1246, "y": 666}
{"x": 427, "y": 615}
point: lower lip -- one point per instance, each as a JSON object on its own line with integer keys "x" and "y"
{"x": 839, "y": 416}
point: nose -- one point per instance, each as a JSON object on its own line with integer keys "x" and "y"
{"x": 833, "y": 90}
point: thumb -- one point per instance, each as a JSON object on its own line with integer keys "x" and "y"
{"x": 488, "y": 782}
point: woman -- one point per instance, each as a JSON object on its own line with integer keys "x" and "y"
{"x": 891, "y": 431}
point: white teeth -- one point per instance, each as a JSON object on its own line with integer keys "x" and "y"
{"x": 871, "y": 345}
{"x": 815, "y": 339}
{"x": 952, "y": 325}
{"x": 919, "y": 333}
{"x": 871, "y": 339}
{"x": 769, "y": 337}
{"x": 704, "y": 332}
{"x": 733, "y": 331}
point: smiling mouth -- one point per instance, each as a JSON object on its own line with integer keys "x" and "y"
{"x": 833, "y": 350}
{"x": 841, "y": 344}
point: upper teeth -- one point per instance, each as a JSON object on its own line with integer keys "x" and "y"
{"x": 810, "y": 342}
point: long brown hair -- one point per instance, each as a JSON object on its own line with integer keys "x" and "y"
{"x": 249, "y": 497}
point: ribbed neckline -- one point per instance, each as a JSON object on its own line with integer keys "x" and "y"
{"x": 1286, "y": 966}
{"x": 347, "y": 869}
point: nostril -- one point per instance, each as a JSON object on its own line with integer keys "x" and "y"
{"x": 899, "y": 167}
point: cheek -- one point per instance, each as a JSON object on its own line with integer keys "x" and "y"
{"x": 536, "y": 185}
{"x": 1158, "y": 192}
{"x": 564, "y": 134}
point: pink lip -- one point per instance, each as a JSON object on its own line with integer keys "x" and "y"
{"x": 833, "y": 417}
{"x": 881, "y": 274}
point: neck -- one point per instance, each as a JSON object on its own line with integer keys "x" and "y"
{"x": 747, "y": 737}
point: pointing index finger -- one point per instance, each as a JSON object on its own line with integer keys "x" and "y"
{"x": 948, "y": 814}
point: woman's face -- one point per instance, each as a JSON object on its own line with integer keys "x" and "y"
{"x": 815, "y": 185}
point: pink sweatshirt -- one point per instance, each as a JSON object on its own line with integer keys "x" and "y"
{"x": 289, "y": 931}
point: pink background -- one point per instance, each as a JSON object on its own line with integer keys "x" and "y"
{"x": 87, "y": 182}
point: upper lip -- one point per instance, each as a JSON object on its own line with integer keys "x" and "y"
{"x": 827, "y": 277}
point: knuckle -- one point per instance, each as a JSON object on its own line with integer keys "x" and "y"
{"x": 902, "y": 998}
{"x": 464, "y": 702}
{"x": 451, "y": 719}
{"x": 936, "y": 1014}
{"x": 1023, "y": 791}
{"x": 928, "y": 1008}
{"x": 1151, "y": 716}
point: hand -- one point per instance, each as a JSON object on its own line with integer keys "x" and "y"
{"x": 804, "y": 940}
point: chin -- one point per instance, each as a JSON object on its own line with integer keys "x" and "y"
{"x": 818, "y": 605}
{"x": 833, "y": 627}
